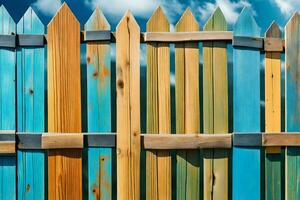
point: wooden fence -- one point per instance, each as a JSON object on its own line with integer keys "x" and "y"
{"x": 57, "y": 117}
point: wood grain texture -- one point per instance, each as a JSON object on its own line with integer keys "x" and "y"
{"x": 292, "y": 109}
{"x": 246, "y": 110}
{"x": 7, "y": 106}
{"x": 7, "y": 147}
{"x": 64, "y": 103}
{"x": 62, "y": 141}
{"x": 189, "y": 36}
{"x": 158, "y": 163}
{"x": 281, "y": 139}
{"x": 273, "y": 162}
{"x": 186, "y": 141}
{"x": 215, "y": 109}
{"x": 128, "y": 107}
{"x": 31, "y": 65}
{"x": 187, "y": 108}
{"x": 99, "y": 108}
{"x": 273, "y": 43}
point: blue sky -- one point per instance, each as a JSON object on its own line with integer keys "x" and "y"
{"x": 265, "y": 11}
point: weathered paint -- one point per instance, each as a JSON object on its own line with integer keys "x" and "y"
{"x": 8, "y": 106}
{"x": 31, "y": 109}
{"x": 292, "y": 86}
{"x": 246, "y": 110}
{"x": 158, "y": 163}
{"x": 274, "y": 157}
{"x": 187, "y": 108}
{"x": 215, "y": 109}
{"x": 99, "y": 109}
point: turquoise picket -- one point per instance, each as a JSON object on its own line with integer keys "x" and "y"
{"x": 8, "y": 106}
{"x": 246, "y": 110}
{"x": 31, "y": 108}
{"x": 99, "y": 109}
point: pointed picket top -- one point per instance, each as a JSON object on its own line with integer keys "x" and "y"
{"x": 216, "y": 22}
{"x": 246, "y": 24}
{"x": 30, "y": 23}
{"x": 64, "y": 12}
{"x": 292, "y": 29}
{"x": 129, "y": 19}
{"x": 187, "y": 22}
{"x": 158, "y": 22}
{"x": 292, "y": 21}
{"x": 273, "y": 31}
{"x": 7, "y": 24}
{"x": 97, "y": 21}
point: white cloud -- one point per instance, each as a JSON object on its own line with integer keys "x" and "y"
{"x": 142, "y": 9}
{"x": 287, "y": 7}
{"x": 230, "y": 9}
{"x": 119, "y": 7}
{"x": 48, "y": 7}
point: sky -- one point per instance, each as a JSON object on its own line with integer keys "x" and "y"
{"x": 265, "y": 11}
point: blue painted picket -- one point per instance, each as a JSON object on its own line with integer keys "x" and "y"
{"x": 246, "y": 110}
{"x": 31, "y": 68}
{"x": 99, "y": 109}
{"x": 22, "y": 108}
{"x": 8, "y": 106}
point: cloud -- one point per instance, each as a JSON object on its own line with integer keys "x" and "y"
{"x": 287, "y": 7}
{"x": 47, "y": 7}
{"x": 142, "y": 9}
{"x": 119, "y": 7}
{"x": 230, "y": 9}
{"x": 173, "y": 8}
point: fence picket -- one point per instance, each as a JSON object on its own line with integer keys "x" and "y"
{"x": 31, "y": 68}
{"x": 7, "y": 103}
{"x": 128, "y": 104}
{"x": 158, "y": 163}
{"x": 274, "y": 161}
{"x": 64, "y": 103}
{"x": 215, "y": 108}
{"x": 22, "y": 73}
{"x": 246, "y": 109}
{"x": 187, "y": 108}
{"x": 292, "y": 70}
{"x": 99, "y": 109}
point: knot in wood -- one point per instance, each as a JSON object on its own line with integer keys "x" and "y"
{"x": 120, "y": 84}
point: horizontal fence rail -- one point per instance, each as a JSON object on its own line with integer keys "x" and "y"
{"x": 105, "y": 128}
{"x": 22, "y": 140}
{"x": 265, "y": 44}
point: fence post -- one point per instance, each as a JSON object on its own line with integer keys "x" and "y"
{"x": 292, "y": 85}
{"x": 128, "y": 107}
{"x": 31, "y": 68}
{"x": 64, "y": 103}
{"x": 246, "y": 110}
{"x": 158, "y": 163}
{"x": 8, "y": 106}
{"x": 187, "y": 108}
{"x": 215, "y": 109}
{"x": 274, "y": 157}
{"x": 99, "y": 108}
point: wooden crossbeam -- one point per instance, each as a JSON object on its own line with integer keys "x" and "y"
{"x": 58, "y": 141}
{"x": 148, "y": 141}
{"x": 265, "y": 44}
